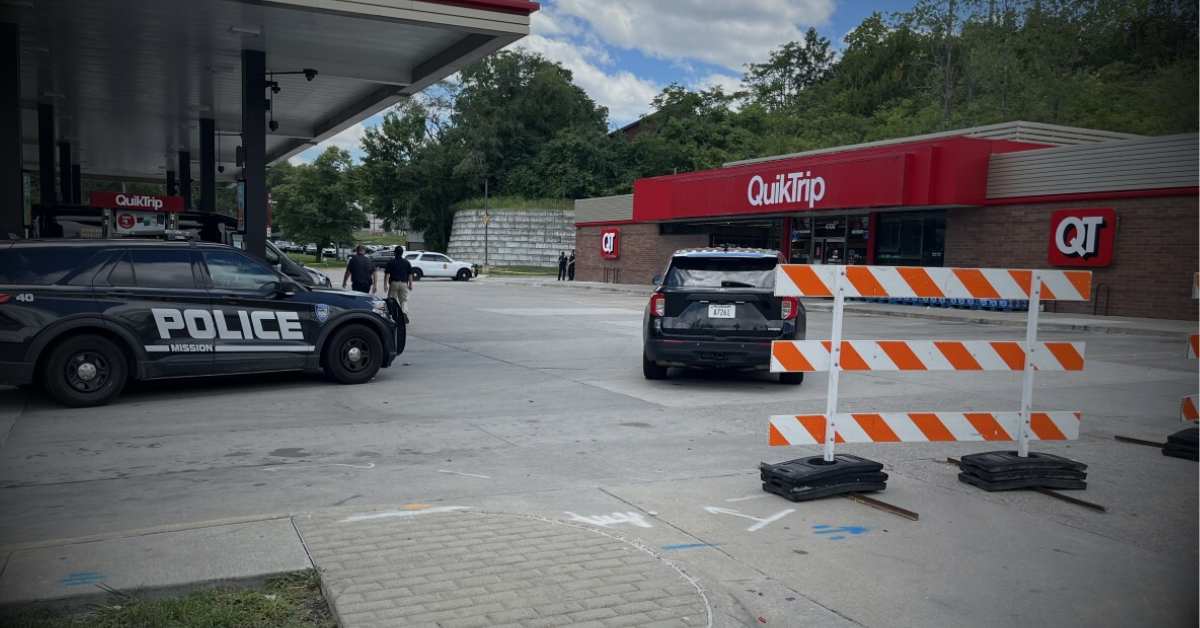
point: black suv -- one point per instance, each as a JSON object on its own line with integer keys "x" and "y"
{"x": 716, "y": 308}
{"x": 82, "y": 317}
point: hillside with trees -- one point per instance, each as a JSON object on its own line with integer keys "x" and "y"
{"x": 516, "y": 124}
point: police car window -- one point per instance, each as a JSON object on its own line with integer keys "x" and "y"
{"x": 721, "y": 272}
{"x": 163, "y": 268}
{"x": 122, "y": 272}
{"x": 231, "y": 271}
{"x": 412, "y": 256}
{"x": 433, "y": 257}
{"x": 41, "y": 266}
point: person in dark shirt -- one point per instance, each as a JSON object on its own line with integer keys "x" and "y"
{"x": 360, "y": 272}
{"x": 397, "y": 276}
{"x": 571, "y": 266}
{"x": 562, "y": 265}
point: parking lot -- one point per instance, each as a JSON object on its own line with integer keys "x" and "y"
{"x": 520, "y": 399}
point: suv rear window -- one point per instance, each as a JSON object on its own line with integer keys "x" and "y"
{"x": 721, "y": 272}
{"x": 41, "y": 266}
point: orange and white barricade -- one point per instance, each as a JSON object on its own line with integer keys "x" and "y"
{"x": 836, "y": 355}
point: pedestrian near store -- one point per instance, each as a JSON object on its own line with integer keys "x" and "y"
{"x": 397, "y": 276}
{"x": 562, "y": 265}
{"x": 360, "y": 271}
{"x": 571, "y": 266}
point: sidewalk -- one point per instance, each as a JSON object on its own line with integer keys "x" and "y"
{"x": 1048, "y": 321}
{"x": 415, "y": 565}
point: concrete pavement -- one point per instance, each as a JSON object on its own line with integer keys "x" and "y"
{"x": 516, "y": 400}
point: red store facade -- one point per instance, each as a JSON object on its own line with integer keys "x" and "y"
{"x": 1017, "y": 195}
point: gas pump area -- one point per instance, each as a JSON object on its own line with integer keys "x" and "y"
{"x": 192, "y": 96}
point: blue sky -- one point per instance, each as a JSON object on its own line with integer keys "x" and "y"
{"x": 623, "y": 52}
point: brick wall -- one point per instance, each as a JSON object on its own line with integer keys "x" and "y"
{"x": 1151, "y": 273}
{"x": 644, "y": 253}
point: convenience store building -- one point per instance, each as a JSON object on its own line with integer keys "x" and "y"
{"x": 1011, "y": 195}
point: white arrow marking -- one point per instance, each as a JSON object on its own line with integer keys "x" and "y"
{"x": 616, "y": 518}
{"x": 761, "y": 523}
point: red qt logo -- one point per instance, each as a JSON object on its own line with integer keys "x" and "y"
{"x": 610, "y": 240}
{"x": 1082, "y": 237}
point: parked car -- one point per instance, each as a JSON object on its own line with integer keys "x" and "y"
{"x": 430, "y": 264}
{"x": 716, "y": 308}
{"x": 91, "y": 315}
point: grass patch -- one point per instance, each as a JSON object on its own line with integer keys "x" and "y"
{"x": 365, "y": 237}
{"x": 288, "y": 601}
{"x": 311, "y": 261}
{"x": 523, "y": 271}
{"x": 517, "y": 203}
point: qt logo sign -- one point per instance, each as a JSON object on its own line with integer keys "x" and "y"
{"x": 610, "y": 240}
{"x": 1082, "y": 237}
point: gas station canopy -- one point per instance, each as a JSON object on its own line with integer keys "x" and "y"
{"x": 129, "y": 80}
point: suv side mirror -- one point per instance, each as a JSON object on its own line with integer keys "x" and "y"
{"x": 279, "y": 289}
{"x": 657, "y": 280}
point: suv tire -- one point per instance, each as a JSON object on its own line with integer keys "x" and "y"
{"x": 85, "y": 370}
{"x": 791, "y": 379}
{"x": 463, "y": 275}
{"x": 651, "y": 369}
{"x": 354, "y": 354}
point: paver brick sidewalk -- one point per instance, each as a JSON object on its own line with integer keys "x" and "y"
{"x": 471, "y": 569}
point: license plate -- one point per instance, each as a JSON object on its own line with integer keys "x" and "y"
{"x": 721, "y": 311}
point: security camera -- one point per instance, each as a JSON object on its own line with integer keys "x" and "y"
{"x": 220, "y": 168}
{"x": 273, "y": 125}
{"x": 310, "y": 74}
{"x": 274, "y": 87}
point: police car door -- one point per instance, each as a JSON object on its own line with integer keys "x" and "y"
{"x": 154, "y": 294}
{"x": 259, "y": 327}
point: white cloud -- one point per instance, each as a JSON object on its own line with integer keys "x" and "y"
{"x": 349, "y": 139}
{"x": 626, "y": 95}
{"x": 728, "y": 83}
{"x": 728, "y": 34}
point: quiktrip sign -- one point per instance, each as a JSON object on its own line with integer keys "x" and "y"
{"x": 1082, "y": 237}
{"x": 136, "y": 202}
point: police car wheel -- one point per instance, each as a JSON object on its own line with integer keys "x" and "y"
{"x": 416, "y": 274}
{"x": 652, "y": 370}
{"x": 85, "y": 371}
{"x": 464, "y": 275}
{"x": 354, "y": 355}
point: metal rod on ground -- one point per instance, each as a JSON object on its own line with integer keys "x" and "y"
{"x": 1137, "y": 441}
{"x": 835, "y": 366}
{"x": 879, "y": 504}
{"x": 1031, "y": 323}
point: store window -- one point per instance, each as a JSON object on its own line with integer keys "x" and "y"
{"x": 911, "y": 238}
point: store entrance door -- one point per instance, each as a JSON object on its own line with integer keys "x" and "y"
{"x": 829, "y": 251}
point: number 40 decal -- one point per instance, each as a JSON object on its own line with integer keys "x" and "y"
{"x": 25, "y": 297}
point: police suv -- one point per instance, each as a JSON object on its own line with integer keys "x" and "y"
{"x": 82, "y": 317}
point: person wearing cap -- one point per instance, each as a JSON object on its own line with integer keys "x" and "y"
{"x": 397, "y": 276}
{"x": 360, "y": 271}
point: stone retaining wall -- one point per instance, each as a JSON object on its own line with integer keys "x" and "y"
{"x": 527, "y": 237}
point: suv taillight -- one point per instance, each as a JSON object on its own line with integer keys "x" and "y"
{"x": 788, "y": 306}
{"x": 658, "y": 305}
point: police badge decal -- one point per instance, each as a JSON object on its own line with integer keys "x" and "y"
{"x": 322, "y": 312}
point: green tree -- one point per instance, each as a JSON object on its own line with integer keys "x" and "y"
{"x": 791, "y": 69}
{"x": 316, "y": 202}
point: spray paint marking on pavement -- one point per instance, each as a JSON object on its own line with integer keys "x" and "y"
{"x": 837, "y": 534}
{"x": 616, "y": 518}
{"x": 395, "y": 514}
{"x": 466, "y": 475}
{"x": 746, "y": 498}
{"x": 761, "y": 523}
{"x": 81, "y": 578}
{"x": 365, "y": 465}
{"x": 686, "y": 546}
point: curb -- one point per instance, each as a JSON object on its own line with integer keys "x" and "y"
{"x": 1044, "y": 324}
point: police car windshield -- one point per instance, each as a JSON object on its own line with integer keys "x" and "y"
{"x": 721, "y": 272}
